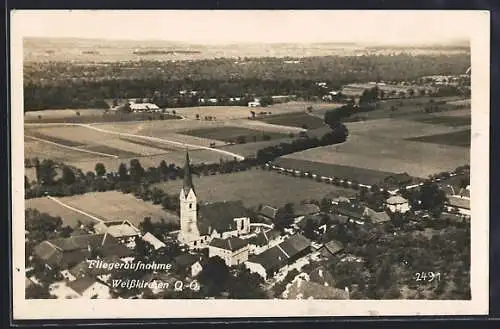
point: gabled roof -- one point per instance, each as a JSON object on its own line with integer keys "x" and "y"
{"x": 73, "y": 250}
{"x": 153, "y": 240}
{"x": 220, "y": 216}
{"x": 268, "y": 211}
{"x": 377, "y": 217}
{"x": 333, "y": 246}
{"x": 295, "y": 244}
{"x": 80, "y": 285}
{"x": 264, "y": 237}
{"x": 117, "y": 229}
{"x": 271, "y": 260}
{"x": 351, "y": 210}
{"x": 231, "y": 244}
{"x": 83, "y": 268}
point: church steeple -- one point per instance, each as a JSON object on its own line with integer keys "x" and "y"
{"x": 188, "y": 177}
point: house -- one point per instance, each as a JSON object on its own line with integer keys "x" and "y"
{"x": 87, "y": 287}
{"x": 233, "y": 250}
{"x": 201, "y": 223}
{"x": 64, "y": 253}
{"x": 144, "y": 107}
{"x": 188, "y": 264}
{"x": 264, "y": 240}
{"x": 122, "y": 230}
{"x": 268, "y": 213}
{"x": 153, "y": 240}
{"x": 316, "y": 219}
{"x": 397, "y": 203}
{"x": 377, "y": 216}
{"x": 254, "y": 104}
{"x": 272, "y": 260}
{"x": 352, "y": 210}
{"x": 331, "y": 248}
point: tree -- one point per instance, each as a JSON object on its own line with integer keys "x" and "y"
{"x": 100, "y": 169}
{"x": 26, "y": 182}
{"x": 284, "y": 217}
{"x": 241, "y": 139}
{"x": 123, "y": 172}
{"x": 214, "y": 277}
{"x": 136, "y": 170}
{"x": 66, "y": 231}
{"x": 245, "y": 285}
{"x": 146, "y": 225}
{"x": 47, "y": 172}
{"x": 309, "y": 229}
{"x": 432, "y": 198}
{"x": 36, "y": 291}
{"x": 68, "y": 176}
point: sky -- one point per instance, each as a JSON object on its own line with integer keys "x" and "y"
{"x": 249, "y": 26}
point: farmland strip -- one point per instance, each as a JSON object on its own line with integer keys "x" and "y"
{"x": 239, "y": 157}
{"x": 74, "y": 209}
{"x": 72, "y": 148}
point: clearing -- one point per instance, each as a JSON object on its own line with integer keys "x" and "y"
{"x": 255, "y": 187}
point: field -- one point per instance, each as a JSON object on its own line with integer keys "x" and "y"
{"x": 453, "y": 121}
{"x": 90, "y": 116}
{"x": 251, "y": 149}
{"x": 297, "y": 119}
{"x": 361, "y": 175}
{"x": 231, "y": 134}
{"x": 53, "y": 208}
{"x": 459, "y": 138}
{"x": 43, "y": 150}
{"x": 114, "y": 205}
{"x": 177, "y": 157}
{"x": 255, "y": 187}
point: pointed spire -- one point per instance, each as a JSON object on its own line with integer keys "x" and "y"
{"x": 188, "y": 178}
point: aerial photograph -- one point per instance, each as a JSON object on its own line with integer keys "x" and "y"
{"x": 166, "y": 159}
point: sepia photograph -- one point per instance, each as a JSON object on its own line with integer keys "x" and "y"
{"x": 215, "y": 163}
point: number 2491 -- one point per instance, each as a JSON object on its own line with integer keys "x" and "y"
{"x": 427, "y": 276}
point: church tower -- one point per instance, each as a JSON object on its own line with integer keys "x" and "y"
{"x": 189, "y": 232}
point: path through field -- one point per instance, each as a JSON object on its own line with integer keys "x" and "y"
{"x": 237, "y": 156}
{"x": 75, "y": 209}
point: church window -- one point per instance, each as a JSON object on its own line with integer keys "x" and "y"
{"x": 190, "y": 205}
{"x": 195, "y": 243}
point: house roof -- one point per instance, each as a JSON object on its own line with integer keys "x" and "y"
{"x": 220, "y": 216}
{"x": 377, "y": 217}
{"x": 306, "y": 289}
{"x": 396, "y": 199}
{"x": 295, "y": 244}
{"x": 306, "y": 209}
{"x": 333, "y": 246}
{"x": 185, "y": 260}
{"x": 153, "y": 240}
{"x": 271, "y": 260}
{"x": 143, "y": 106}
{"x": 117, "y": 229}
{"x": 351, "y": 210}
{"x": 65, "y": 251}
{"x": 83, "y": 268}
{"x": 231, "y": 244}
{"x": 80, "y": 285}
{"x": 338, "y": 218}
{"x": 268, "y": 211}
{"x": 316, "y": 219}
{"x": 459, "y": 202}
{"x": 264, "y": 237}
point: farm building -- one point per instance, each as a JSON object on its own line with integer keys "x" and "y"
{"x": 272, "y": 260}
{"x": 268, "y": 213}
{"x": 233, "y": 250}
{"x": 68, "y": 252}
{"x": 306, "y": 209}
{"x": 212, "y": 220}
{"x": 397, "y": 203}
{"x": 144, "y": 107}
{"x": 124, "y": 231}
{"x": 458, "y": 204}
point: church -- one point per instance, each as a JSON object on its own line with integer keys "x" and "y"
{"x": 202, "y": 222}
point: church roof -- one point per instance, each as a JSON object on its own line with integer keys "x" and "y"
{"x": 188, "y": 177}
{"x": 220, "y": 216}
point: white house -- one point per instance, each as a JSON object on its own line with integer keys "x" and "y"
{"x": 153, "y": 240}
{"x": 254, "y": 104}
{"x": 233, "y": 251}
{"x": 144, "y": 107}
{"x": 397, "y": 203}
